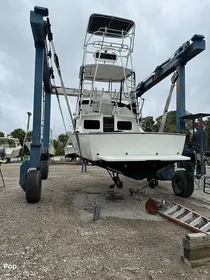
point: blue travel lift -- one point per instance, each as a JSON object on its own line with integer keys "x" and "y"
{"x": 34, "y": 170}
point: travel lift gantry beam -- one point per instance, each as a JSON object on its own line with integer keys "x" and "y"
{"x": 177, "y": 63}
{"x": 31, "y": 171}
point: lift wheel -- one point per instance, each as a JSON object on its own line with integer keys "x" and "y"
{"x": 182, "y": 183}
{"x": 44, "y": 169}
{"x": 33, "y": 186}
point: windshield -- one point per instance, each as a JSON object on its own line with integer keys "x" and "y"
{"x": 7, "y": 143}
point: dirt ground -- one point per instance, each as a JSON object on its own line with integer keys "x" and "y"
{"x": 58, "y": 239}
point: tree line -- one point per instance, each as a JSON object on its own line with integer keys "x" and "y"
{"x": 149, "y": 124}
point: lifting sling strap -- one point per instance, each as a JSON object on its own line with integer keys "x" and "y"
{"x": 165, "y": 112}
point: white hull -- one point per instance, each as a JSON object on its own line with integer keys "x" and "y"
{"x": 69, "y": 151}
{"x": 127, "y": 147}
{"x": 12, "y": 152}
{"x": 12, "y": 147}
{"x": 51, "y": 148}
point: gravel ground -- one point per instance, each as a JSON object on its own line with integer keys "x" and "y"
{"x": 58, "y": 239}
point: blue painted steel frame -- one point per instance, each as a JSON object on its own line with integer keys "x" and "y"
{"x": 41, "y": 74}
{"x": 177, "y": 62}
{"x": 180, "y": 98}
{"x": 46, "y": 139}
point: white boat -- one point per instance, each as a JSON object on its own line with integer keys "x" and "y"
{"x": 51, "y": 148}
{"x": 12, "y": 147}
{"x": 69, "y": 150}
{"x": 27, "y": 146}
{"x": 107, "y": 127}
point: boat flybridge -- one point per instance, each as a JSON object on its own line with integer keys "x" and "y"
{"x": 107, "y": 122}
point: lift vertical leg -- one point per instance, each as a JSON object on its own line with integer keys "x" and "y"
{"x": 180, "y": 103}
{"x": 31, "y": 181}
{"x": 36, "y": 133}
{"x": 46, "y": 136}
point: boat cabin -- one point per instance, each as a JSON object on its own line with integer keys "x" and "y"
{"x": 8, "y": 142}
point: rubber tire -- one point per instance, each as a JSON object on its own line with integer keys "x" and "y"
{"x": 44, "y": 169}
{"x": 33, "y": 186}
{"x": 186, "y": 181}
{"x": 152, "y": 184}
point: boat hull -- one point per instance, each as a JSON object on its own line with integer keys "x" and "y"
{"x": 136, "y": 155}
{"x": 27, "y": 148}
{"x": 69, "y": 151}
{"x": 129, "y": 146}
{"x": 12, "y": 152}
{"x": 51, "y": 150}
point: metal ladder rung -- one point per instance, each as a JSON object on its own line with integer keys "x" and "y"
{"x": 178, "y": 213}
{"x": 206, "y": 227}
{"x": 187, "y": 217}
{"x": 196, "y": 222}
{"x": 171, "y": 210}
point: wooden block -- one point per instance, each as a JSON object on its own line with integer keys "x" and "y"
{"x": 197, "y": 254}
{"x": 195, "y": 263}
{"x": 197, "y": 235}
{"x": 196, "y": 243}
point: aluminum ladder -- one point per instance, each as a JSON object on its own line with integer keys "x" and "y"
{"x": 185, "y": 217}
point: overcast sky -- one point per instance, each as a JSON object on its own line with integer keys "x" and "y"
{"x": 161, "y": 27}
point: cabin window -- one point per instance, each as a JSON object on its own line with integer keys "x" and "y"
{"x": 11, "y": 144}
{"x": 91, "y": 124}
{"x": 106, "y": 55}
{"x": 108, "y": 124}
{"x": 124, "y": 125}
{"x": 85, "y": 102}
